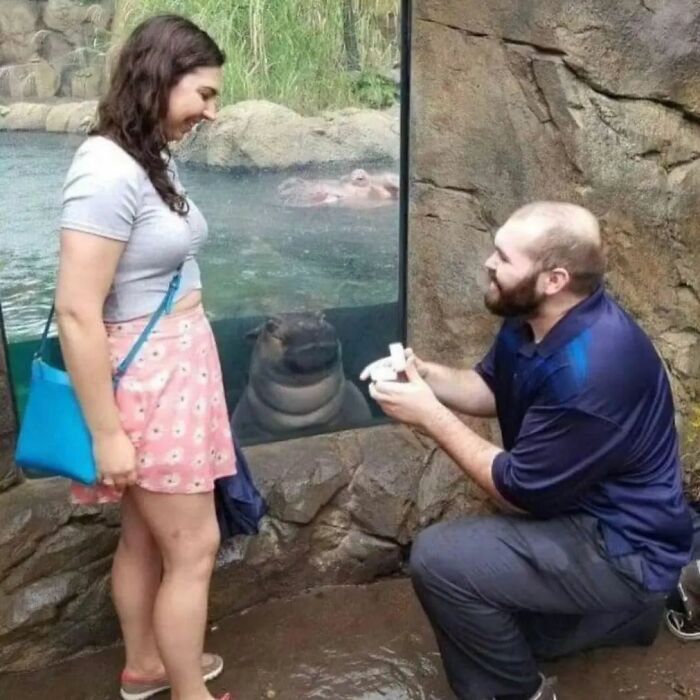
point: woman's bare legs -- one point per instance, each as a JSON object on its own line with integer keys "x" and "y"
{"x": 136, "y": 576}
{"x": 187, "y": 534}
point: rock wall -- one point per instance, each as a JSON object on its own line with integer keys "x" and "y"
{"x": 53, "y": 48}
{"x": 9, "y": 475}
{"x": 341, "y": 508}
{"x": 585, "y": 100}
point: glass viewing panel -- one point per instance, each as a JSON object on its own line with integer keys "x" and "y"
{"x": 302, "y": 271}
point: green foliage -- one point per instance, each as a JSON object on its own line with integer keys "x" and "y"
{"x": 375, "y": 90}
{"x": 291, "y": 51}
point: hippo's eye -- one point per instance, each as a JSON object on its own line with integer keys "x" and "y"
{"x": 272, "y": 326}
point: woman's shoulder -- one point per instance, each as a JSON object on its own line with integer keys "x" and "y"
{"x": 104, "y": 158}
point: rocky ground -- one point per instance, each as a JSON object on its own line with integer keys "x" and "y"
{"x": 364, "y": 643}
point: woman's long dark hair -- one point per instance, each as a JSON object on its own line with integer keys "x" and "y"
{"x": 159, "y": 52}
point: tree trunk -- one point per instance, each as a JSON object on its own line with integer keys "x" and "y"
{"x": 352, "y": 53}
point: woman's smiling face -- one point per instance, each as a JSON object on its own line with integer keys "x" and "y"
{"x": 193, "y": 99}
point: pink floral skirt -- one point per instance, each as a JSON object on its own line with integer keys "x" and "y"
{"x": 171, "y": 404}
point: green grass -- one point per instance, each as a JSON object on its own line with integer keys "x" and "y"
{"x": 291, "y": 51}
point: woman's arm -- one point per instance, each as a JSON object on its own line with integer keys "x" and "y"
{"x": 87, "y": 265}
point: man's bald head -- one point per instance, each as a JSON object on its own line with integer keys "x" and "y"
{"x": 561, "y": 235}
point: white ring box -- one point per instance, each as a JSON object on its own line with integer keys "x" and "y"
{"x": 384, "y": 371}
{"x": 398, "y": 357}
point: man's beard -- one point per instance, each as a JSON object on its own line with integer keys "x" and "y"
{"x": 521, "y": 300}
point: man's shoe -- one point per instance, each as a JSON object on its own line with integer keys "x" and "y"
{"x": 689, "y": 590}
{"x": 142, "y": 688}
{"x": 681, "y": 627}
{"x": 683, "y": 622}
{"x": 546, "y": 689}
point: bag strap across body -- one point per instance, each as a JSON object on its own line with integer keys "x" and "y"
{"x": 165, "y": 308}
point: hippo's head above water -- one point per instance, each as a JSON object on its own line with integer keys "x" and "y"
{"x": 294, "y": 346}
{"x": 358, "y": 190}
{"x": 360, "y": 178}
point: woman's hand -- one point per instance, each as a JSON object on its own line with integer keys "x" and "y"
{"x": 116, "y": 459}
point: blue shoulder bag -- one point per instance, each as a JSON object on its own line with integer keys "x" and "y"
{"x": 54, "y": 438}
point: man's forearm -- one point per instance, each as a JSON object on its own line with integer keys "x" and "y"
{"x": 461, "y": 390}
{"x": 472, "y": 453}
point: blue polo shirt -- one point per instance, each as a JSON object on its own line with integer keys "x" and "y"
{"x": 588, "y": 427}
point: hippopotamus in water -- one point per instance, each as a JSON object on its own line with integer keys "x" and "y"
{"x": 296, "y": 380}
{"x": 359, "y": 190}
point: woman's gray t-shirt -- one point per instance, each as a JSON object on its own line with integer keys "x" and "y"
{"x": 107, "y": 193}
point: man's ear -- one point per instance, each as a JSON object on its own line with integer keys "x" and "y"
{"x": 557, "y": 280}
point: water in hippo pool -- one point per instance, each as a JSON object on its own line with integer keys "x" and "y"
{"x": 262, "y": 257}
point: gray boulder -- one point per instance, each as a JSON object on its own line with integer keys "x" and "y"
{"x": 259, "y": 134}
{"x": 24, "y": 116}
{"x": 71, "y": 117}
{"x": 18, "y": 24}
{"x": 78, "y": 21}
{"x": 36, "y": 79}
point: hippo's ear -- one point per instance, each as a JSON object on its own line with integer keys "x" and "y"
{"x": 273, "y": 324}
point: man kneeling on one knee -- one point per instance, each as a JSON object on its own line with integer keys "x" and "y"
{"x": 596, "y": 528}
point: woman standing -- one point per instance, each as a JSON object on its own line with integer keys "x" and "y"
{"x": 127, "y": 228}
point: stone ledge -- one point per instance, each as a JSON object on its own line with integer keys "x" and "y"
{"x": 9, "y": 474}
{"x": 342, "y": 506}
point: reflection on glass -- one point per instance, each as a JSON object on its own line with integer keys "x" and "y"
{"x": 303, "y": 250}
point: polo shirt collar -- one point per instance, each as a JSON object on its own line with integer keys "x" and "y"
{"x": 576, "y": 320}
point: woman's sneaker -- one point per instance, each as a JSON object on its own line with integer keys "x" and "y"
{"x": 141, "y": 688}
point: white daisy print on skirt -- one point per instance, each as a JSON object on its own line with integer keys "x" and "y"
{"x": 155, "y": 431}
{"x": 182, "y": 400}
{"x": 196, "y": 485}
{"x": 199, "y": 435}
{"x": 146, "y": 460}
{"x": 175, "y": 456}
{"x": 185, "y": 341}
{"x": 159, "y": 380}
{"x": 156, "y": 352}
{"x": 171, "y": 481}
